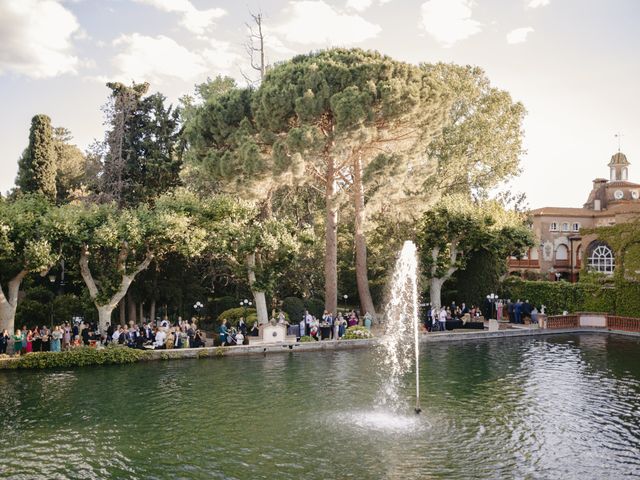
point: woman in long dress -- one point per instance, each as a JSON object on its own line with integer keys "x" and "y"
{"x": 29, "y": 346}
{"x": 17, "y": 342}
{"x": 66, "y": 336}
{"x": 56, "y": 336}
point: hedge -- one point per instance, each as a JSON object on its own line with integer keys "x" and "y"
{"x": 77, "y": 357}
{"x": 233, "y": 316}
{"x": 593, "y": 293}
{"x": 315, "y": 306}
{"x": 294, "y": 308}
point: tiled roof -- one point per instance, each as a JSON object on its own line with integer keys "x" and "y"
{"x": 626, "y": 207}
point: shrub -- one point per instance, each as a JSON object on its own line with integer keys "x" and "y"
{"x": 307, "y": 339}
{"x": 220, "y": 304}
{"x": 315, "y": 306}
{"x": 294, "y": 308}
{"x": 79, "y": 357}
{"x": 233, "y": 315}
{"x": 357, "y": 333}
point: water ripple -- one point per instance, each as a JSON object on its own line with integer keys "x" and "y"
{"x": 536, "y": 408}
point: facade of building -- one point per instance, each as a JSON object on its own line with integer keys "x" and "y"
{"x": 561, "y": 250}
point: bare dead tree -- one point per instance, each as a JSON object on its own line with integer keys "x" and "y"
{"x": 255, "y": 47}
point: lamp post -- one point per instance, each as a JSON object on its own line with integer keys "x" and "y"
{"x": 492, "y": 297}
{"x": 345, "y": 296}
{"x": 52, "y": 280}
{"x": 245, "y": 303}
{"x": 198, "y": 308}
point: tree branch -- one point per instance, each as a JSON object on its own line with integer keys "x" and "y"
{"x": 86, "y": 273}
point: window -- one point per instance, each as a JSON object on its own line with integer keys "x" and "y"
{"x": 576, "y": 227}
{"x": 601, "y": 258}
{"x": 565, "y": 227}
{"x": 562, "y": 253}
{"x": 553, "y": 227}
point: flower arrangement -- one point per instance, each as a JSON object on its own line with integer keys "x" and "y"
{"x": 357, "y": 333}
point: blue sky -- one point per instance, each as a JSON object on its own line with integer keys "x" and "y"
{"x": 573, "y": 63}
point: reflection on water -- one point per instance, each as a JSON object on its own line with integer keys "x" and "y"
{"x": 557, "y": 407}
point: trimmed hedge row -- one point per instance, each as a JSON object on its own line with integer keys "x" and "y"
{"x": 617, "y": 298}
{"x": 77, "y": 357}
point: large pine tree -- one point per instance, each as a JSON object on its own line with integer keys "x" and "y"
{"x": 37, "y": 167}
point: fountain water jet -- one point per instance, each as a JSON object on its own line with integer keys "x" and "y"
{"x": 401, "y": 324}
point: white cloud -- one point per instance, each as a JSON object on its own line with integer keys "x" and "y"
{"x": 316, "y": 22}
{"x": 192, "y": 19}
{"x": 359, "y": 5}
{"x": 36, "y": 38}
{"x": 519, "y": 35}
{"x": 538, "y": 3}
{"x": 362, "y": 5}
{"x": 449, "y": 21}
{"x": 157, "y": 58}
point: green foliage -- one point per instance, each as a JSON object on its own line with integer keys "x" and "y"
{"x": 315, "y": 306}
{"x": 481, "y": 142}
{"x": 307, "y": 339}
{"x": 556, "y": 296}
{"x": 32, "y": 313}
{"x": 233, "y": 316}
{"x": 480, "y": 276}
{"x": 119, "y": 241}
{"x": 37, "y": 167}
{"x": 594, "y": 293}
{"x": 357, "y": 333}
{"x": 293, "y": 307}
{"x": 141, "y": 151}
{"x": 31, "y": 230}
{"x": 627, "y": 299}
{"x": 82, "y": 356}
{"x": 455, "y": 227}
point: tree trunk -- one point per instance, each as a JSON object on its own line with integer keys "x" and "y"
{"x": 152, "y": 312}
{"x": 435, "y": 283}
{"x": 117, "y": 297}
{"x": 131, "y": 306}
{"x": 258, "y": 296}
{"x": 331, "y": 241}
{"x": 8, "y": 305}
{"x": 435, "y": 291}
{"x": 362, "y": 278}
{"x": 141, "y": 312}
{"x": 104, "y": 316}
{"x": 123, "y": 311}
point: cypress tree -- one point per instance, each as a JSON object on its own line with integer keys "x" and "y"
{"x": 37, "y": 167}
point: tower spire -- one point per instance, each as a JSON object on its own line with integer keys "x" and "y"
{"x": 619, "y": 137}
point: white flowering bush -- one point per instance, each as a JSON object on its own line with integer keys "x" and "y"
{"x": 357, "y": 333}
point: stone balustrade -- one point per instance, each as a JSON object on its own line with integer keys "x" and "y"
{"x": 592, "y": 320}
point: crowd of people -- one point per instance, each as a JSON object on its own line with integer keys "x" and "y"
{"x": 162, "y": 335}
{"x": 334, "y": 325}
{"x": 435, "y": 319}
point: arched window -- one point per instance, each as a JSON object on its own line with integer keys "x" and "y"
{"x": 601, "y": 258}
{"x": 578, "y": 255}
{"x": 562, "y": 252}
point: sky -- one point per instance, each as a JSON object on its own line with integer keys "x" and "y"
{"x": 574, "y": 64}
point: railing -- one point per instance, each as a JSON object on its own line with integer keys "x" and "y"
{"x": 563, "y": 321}
{"x": 626, "y": 324}
{"x": 523, "y": 263}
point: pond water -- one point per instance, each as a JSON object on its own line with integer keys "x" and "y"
{"x": 547, "y": 407}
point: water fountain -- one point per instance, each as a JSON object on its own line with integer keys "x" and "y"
{"x": 402, "y": 325}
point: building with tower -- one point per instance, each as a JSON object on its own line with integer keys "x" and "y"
{"x": 561, "y": 250}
